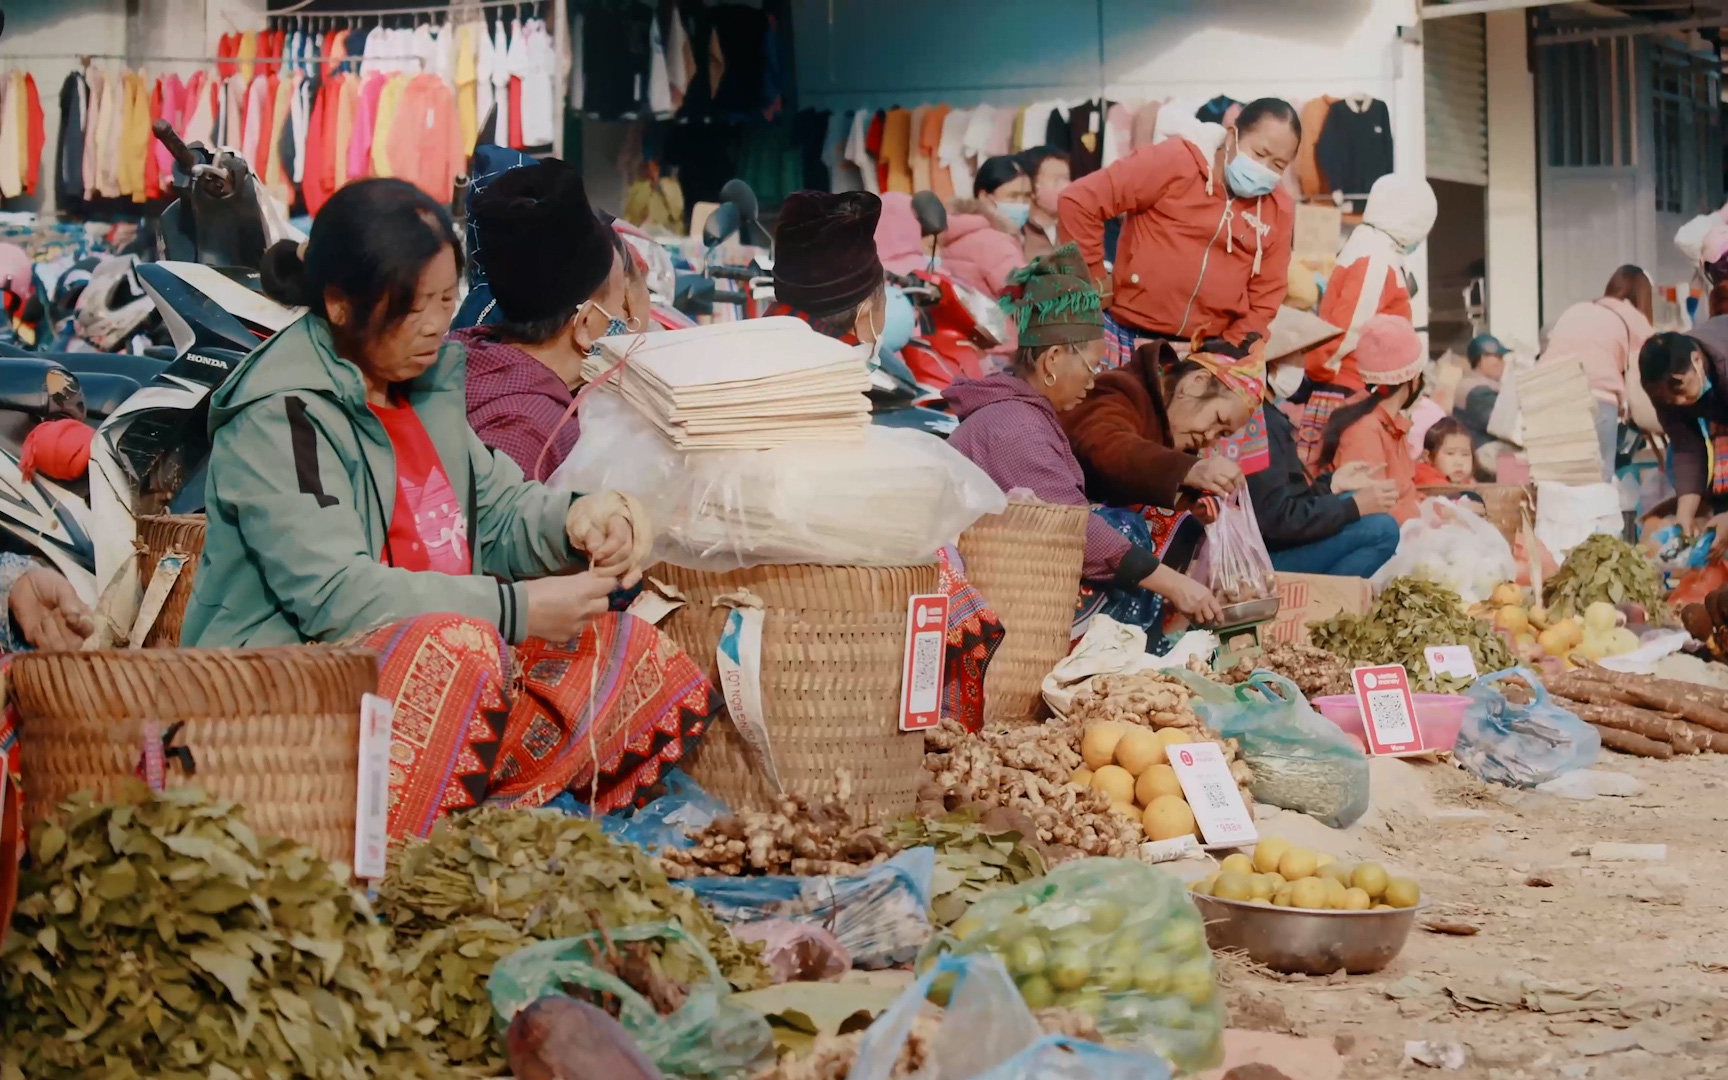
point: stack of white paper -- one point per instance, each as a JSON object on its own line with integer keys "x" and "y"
{"x": 748, "y": 385}
{"x": 1559, "y": 423}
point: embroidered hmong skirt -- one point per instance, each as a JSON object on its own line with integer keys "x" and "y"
{"x": 974, "y": 634}
{"x": 479, "y": 723}
{"x": 1149, "y": 528}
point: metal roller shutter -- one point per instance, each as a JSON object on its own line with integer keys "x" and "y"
{"x": 1455, "y": 87}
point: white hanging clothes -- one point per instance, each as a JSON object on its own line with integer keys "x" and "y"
{"x": 539, "y": 77}
{"x": 678, "y": 58}
{"x": 858, "y": 154}
{"x": 501, "y": 82}
{"x": 659, "y": 80}
{"x": 486, "y": 58}
{"x": 951, "y": 151}
{"x": 575, "y": 89}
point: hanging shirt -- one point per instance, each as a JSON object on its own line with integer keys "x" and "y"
{"x": 11, "y": 127}
{"x": 467, "y": 124}
{"x": 135, "y": 142}
{"x": 486, "y": 60}
{"x": 659, "y": 78}
{"x": 574, "y": 90}
{"x": 318, "y": 178}
{"x": 279, "y": 173}
{"x": 516, "y": 63}
{"x": 153, "y": 165}
{"x": 113, "y": 126}
{"x": 539, "y": 82}
{"x": 246, "y": 50}
{"x": 428, "y": 528}
{"x": 69, "y": 150}
{"x": 423, "y": 142}
{"x": 680, "y": 60}
{"x": 348, "y": 94}
{"x": 88, "y": 167}
{"x": 501, "y": 83}
{"x": 388, "y": 101}
{"x": 365, "y": 123}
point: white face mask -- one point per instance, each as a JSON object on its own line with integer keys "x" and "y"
{"x": 865, "y": 351}
{"x": 1286, "y": 379}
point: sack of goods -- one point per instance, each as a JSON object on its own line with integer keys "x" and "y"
{"x": 739, "y": 386}
{"x": 794, "y": 480}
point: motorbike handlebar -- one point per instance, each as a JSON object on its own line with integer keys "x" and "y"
{"x": 727, "y": 296}
{"x": 183, "y": 156}
{"x": 734, "y": 273}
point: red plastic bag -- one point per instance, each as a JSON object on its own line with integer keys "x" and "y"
{"x": 1695, "y": 585}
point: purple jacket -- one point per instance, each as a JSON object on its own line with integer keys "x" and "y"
{"x": 515, "y": 403}
{"x": 1010, "y": 431}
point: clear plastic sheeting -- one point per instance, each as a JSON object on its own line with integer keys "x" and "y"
{"x": 1449, "y": 544}
{"x": 892, "y": 499}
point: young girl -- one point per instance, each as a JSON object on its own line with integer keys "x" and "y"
{"x": 1447, "y": 457}
{"x": 1372, "y": 430}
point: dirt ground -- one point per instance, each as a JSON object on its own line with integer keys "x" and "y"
{"x": 1581, "y": 967}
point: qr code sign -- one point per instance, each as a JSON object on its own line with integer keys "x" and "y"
{"x": 1391, "y": 720}
{"x": 926, "y": 672}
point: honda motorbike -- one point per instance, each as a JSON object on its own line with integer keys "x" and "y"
{"x": 150, "y": 414}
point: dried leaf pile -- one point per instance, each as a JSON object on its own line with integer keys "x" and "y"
{"x": 795, "y": 838}
{"x": 1408, "y": 616}
{"x": 1027, "y": 769}
{"x": 159, "y": 937}
{"x": 970, "y": 860}
{"x": 1605, "y": 567}
{"x": 1315, "y": 671}
{"x": 483, "y": 885}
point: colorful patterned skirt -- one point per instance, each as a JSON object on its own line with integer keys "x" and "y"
{"x": 479, "y": 723}
{"x": 1309, "y": 421}
{"x": 1149, "y": 528}
{"x": 974, "y": 634}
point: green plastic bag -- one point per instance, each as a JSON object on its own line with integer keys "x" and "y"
{"x": 707, "y": 1038}
{"x": 1113, "y": 938}
{"x": 1301, "y": 760}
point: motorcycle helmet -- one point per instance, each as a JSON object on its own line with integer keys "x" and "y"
{"x": 114, "y": 304}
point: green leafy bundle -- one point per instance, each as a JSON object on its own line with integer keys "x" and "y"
{"x": 970, "y": 859}
{"x": 1409, "y": 615}
{"x": 1605, "y": 568}
{"x": 159, "y": 937}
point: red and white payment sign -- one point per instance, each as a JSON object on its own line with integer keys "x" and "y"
{"x": 921, "y": 673}
{"x": 1212, "y": 794}
{"x": 1388, "y": 711}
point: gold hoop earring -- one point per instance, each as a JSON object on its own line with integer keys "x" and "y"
{"x": 1049, "y": 379}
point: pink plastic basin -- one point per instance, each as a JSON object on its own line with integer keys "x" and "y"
{"x": 1440, "y": 716}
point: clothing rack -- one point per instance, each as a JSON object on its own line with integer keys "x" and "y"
{"x": 85, "y": 58}
{"x": 298, "y": 10}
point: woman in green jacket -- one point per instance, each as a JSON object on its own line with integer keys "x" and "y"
{"x": 349, "y": 501}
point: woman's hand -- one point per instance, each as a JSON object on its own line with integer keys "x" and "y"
{"x": 613, "y": 529}
{"x": 1190, "y": 597}
{"x": 1219, "y": 475}
{"x": 1353, "y": 476}
{"x": 1376, "y": 497}
{"x": 47, "y": 611}
{"x": 559, "y": 608}
{"x": 1718, "y": 522}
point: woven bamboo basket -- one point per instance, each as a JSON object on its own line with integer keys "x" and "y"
{"x": 276, "y": 730}
{"x": 1026, "y": 562}
{"x": 181, "y": 534}
{"x": 832, "y": 645}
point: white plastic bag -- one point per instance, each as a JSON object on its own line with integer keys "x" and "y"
{"x": 1569, "y": 514}
{"x": 1448, "y": 543}
{"x": 891, "y": 500}
{"x": 1240, "y": 569}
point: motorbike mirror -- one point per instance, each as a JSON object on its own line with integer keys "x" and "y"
{"x": 740, "y": 194}
{"x": 931, "y": 214}
{"x": 723, "y": 222}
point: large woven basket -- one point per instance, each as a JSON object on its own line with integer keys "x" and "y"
{"x": 833, "y": 639}
{"x": 276, "y": 730}
{"x": 178, "y": 534}
{"x": 1026, "y": 562}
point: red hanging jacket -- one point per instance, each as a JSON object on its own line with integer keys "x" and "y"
{"x": 33, "y": 135}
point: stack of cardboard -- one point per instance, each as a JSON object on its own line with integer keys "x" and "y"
{"x": 748, "y": 385}
{"x": 1559, "y": 423}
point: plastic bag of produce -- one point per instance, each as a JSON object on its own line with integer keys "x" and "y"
{"x": 987, "y": 1033}
{"x": 891, "y": 499}
{"x": 1113, "y": 938}
{"x": 708, "y": 1037}
{"x": 880, "y": 915}
{"x": 1301, "y": 760}
{"x": 1521, "y": 745}
{"x": 1238, "y": 568}
{"x": 1447, "y": 544}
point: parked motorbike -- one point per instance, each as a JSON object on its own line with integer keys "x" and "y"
{"x": 150, "y": 415}
{"x": 737, "y": 217}
{"x": 959, "y": 324}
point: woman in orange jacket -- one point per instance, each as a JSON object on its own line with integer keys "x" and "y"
{"x": 1205, "y": 248}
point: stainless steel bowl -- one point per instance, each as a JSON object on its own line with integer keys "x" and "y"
{"x": 1301, "y": 940}
{"x": 1248, "y": 611}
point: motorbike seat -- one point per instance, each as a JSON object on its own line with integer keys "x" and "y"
{"x": 104, "y": 393}
{"x": 140, "y": 369}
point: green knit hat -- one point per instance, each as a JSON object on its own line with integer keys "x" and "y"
{"x": 1052, "y": 301}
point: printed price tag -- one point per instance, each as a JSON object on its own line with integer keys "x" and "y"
{"x": 921, "y": 671}
{"x": 1452, "y": 660}
{"x": 152, "y": 768}
{"x": 1212, "y": 795}
{"x": 372, "y": 793}
{"x": 1388, "y": 710}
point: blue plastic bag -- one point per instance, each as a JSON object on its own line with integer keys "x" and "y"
{"x": 881, "y": 916}
{"x": 1521, "y": 745}
{"x": 987, "y": 1033}
{"x": 666, "y": 822}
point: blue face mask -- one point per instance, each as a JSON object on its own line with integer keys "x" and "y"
{"x": 1014, "y": 213}
{"x": 615, "y": 326}
{"x": 1248, "y": 178}
{"x": 897, "y": 323}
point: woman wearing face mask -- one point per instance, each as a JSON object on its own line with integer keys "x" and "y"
{"x": 1010, "y": 426}
{"x": 1367, "y": 280}
{"x": 1335, "y": 523}
{"x": 1048, "y": 168}
{"x": 558, "y": 283}
{"x": 982, "y": 244}
{"x": 1686, "y": 376}
{"x": 1371, "y": 432}
{"x": 1205, "y": 247}
{"x": 350, "y": 502}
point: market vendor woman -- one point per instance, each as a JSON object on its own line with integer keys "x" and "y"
{"x": 350, "y": 502}
{"x": 1686, "y": 376}
{"x": 1010, "y": 427}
